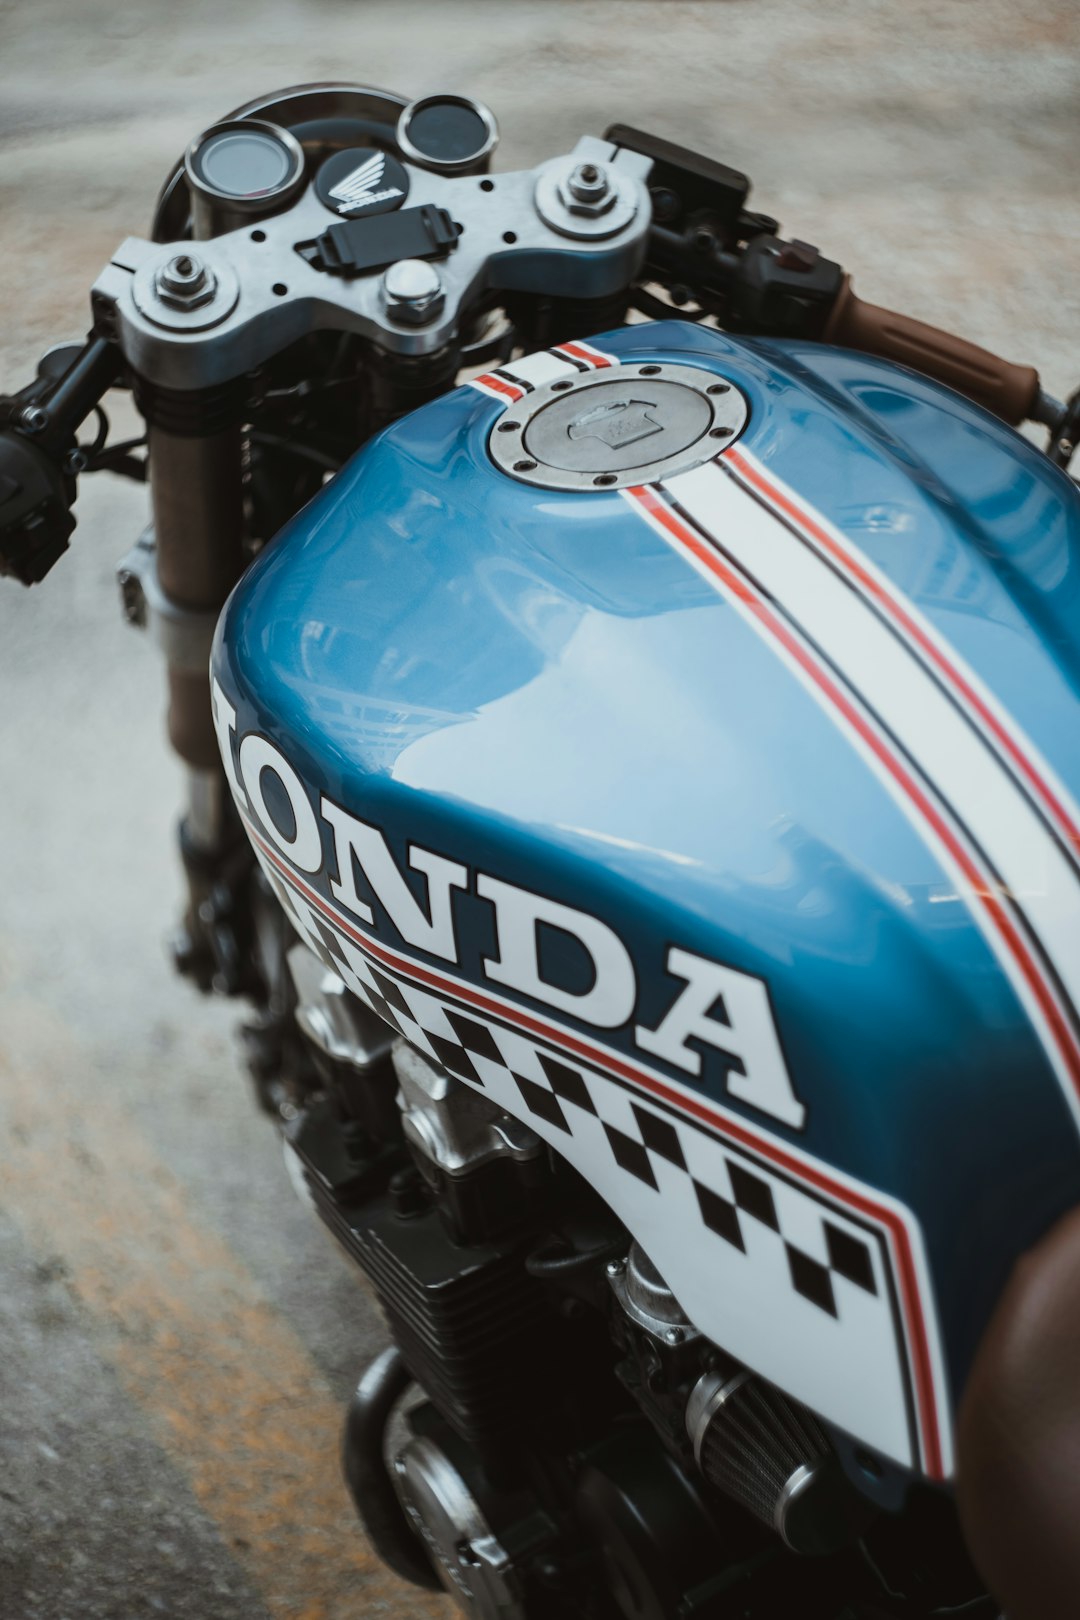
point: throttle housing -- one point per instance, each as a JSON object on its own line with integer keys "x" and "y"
{"x": 35, "y": 516}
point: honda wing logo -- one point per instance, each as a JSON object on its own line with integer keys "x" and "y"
{"x": 363, "y": 188}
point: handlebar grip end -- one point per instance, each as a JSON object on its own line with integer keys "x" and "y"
{"x": 1010, "y": 391}
{"x": 35, "y": 517}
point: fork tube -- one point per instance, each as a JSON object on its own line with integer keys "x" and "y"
{"x": 196, "y": 491}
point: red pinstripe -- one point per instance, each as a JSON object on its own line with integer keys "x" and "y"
{"x": 583, "y": 351}
{"x": 499, "y": 385}
{"x": 982, "y": 883}
{"x": 932, "y": 652}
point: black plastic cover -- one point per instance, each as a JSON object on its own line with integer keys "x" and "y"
{"x": 783, "y": 289}
{"x": 697, "y": 184}
{"x": 355, "y": 246}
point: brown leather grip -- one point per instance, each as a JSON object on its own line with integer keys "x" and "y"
{"x": 1018, "y": 1437}
{"x": 1009, "y": 391}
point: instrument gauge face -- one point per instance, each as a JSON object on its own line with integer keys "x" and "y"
{"x": 241, "y": 168}
{"x": 449, "y": 134}
{"x": 244, "y": 163}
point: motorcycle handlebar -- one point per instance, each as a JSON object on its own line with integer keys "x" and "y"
{"x": 37, "y": 484}
{"x": 1010, "y": 391}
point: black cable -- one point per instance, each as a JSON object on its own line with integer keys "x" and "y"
{"x": 307, "y": 452}
{"x": 123, "y": 466}
{"x": 120, "y": 448}
{"x": 98, "y": 445}
{"x": 115, "y": 458}
{"x": 542, "y": 1263}
{"x": 983, "y": 1604}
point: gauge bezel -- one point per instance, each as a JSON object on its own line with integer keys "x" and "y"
{"x": 474, "y": 163}
{"x": 254, "y": 202}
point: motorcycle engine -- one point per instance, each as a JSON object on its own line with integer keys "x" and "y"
{"x": 497, "y": 1270}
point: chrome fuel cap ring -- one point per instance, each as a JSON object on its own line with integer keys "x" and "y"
{"x": 612, "y": 429}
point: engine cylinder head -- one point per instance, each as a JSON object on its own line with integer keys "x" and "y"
{"x": 772, "y": 1457}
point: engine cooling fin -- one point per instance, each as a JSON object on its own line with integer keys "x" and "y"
{"x": 474, "y": 1328}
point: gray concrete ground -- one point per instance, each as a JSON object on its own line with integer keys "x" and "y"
{"x": 175, "y": 1337}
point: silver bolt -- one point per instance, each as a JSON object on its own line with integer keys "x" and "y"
{"x": 673, "y": 1335}
{"x": 413, "y": 292}
{"x": 587, "y": 189}
{"x": 33, "y": 419}
{"x": 588, "y": 182}
{"x": 132, "y": 598}
{"x": 615, "y": 1268}
{"x": 185, "y": 282}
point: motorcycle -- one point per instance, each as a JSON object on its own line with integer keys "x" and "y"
{"x": 628, "y": 687}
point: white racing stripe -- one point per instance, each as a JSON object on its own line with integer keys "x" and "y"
{"x": 541, "y": 368}
{"x": 1016, "y": 750}
{"x": 1017, "y": 878}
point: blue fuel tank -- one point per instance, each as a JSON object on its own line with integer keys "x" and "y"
{"x": 677, "y": 738}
